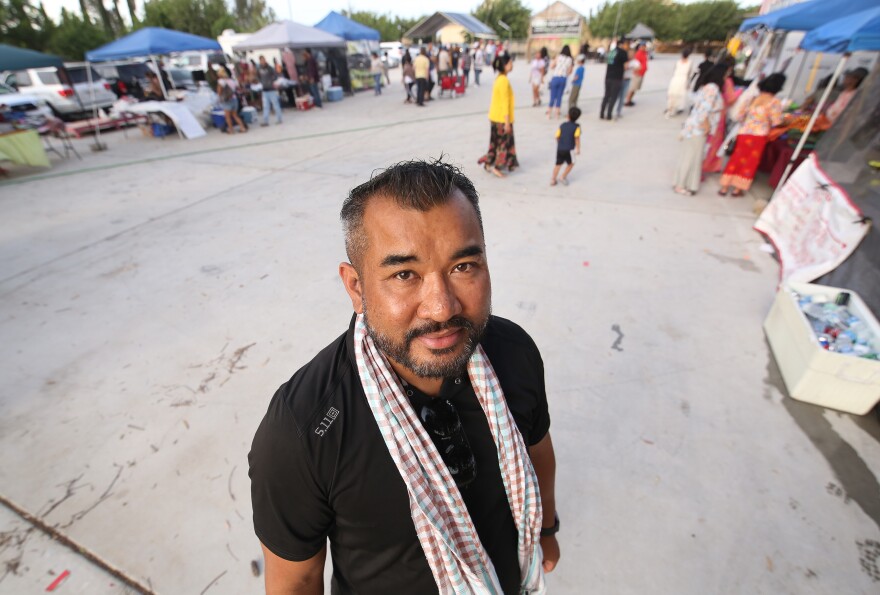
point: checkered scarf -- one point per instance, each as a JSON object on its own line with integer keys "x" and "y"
{"x": 446, "y": 532}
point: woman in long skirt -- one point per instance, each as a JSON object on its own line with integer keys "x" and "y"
{"x": 762, "y": 114}
{"x": 502, "y": 149}
{"x": 701, "y": 122}
{"x": 713, "y": 163}
{"x": 676, "y": 94}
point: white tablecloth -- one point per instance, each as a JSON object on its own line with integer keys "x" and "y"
{"x": 177, "y": 111}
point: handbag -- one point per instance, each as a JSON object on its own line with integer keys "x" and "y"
{"x": 729, "y": 145}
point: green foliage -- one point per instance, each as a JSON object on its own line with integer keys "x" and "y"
{"x": 207, "y": 18}
{"x": 25, "y": 25}
{"x": 74, "y": 36}
{"x": 512, "y": 12}
{"x": 252, "y": 15}
{"x": 709, "y": 20}
{"x": 389, "y": 28}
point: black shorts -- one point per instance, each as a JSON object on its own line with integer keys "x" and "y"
{"x": 563, "y": 157}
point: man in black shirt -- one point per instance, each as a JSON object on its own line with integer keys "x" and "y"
{"x": 617, "y": 59}
{"x": 703, "y": 68}
{"x": 324, "y": 464}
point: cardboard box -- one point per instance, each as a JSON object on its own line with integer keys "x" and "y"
{"x": 844, "y": 382}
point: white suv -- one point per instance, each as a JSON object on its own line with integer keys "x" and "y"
{"x": 66, "y": 98}
{"x": 32, "y": 110}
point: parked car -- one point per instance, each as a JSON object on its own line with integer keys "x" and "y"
{"x": 125, "y": 78}
{"x": 67, "y": 91}
{"x": 198, "y": 63}
{"x": 395, "y": 51}
{"x": 182, "y": 79}
{"x": 24, "y": 107}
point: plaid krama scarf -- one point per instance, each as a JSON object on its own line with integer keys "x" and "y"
{"x": 446, "y": 532}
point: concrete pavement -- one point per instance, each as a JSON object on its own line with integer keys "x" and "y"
{"x": 153, "y": 297}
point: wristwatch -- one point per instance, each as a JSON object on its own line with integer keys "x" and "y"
{"x": 550, "y": 531}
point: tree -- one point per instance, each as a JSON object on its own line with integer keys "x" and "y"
{"x": 24, "y": 25}
{"x": 709, "y": 21}
{"x": 75, "y": 35}
{"x": 659, "y": 15}
{"x": 389, "y": 28}
{"x": 512, "y": 12}
{"x": 207, "y": 18}
{"x": 252, "y": 15}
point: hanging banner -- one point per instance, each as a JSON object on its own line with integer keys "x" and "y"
{"x": 812, "y": 223}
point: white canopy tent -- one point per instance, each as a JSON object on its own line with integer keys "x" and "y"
{"x": 288, "y": 34}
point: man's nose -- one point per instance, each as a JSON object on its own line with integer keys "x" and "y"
{"x": 439, "y": 302}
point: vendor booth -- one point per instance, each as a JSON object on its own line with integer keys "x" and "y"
{"x": 820, "y": 220}
{"x": 556, "y": 26}
{"x": 361, "y": 41}
{"x": 776, "y": 37}
{"x": 329, "y": 49}
{"x": 150, "y": 42}
{"x": 19, "y": 137}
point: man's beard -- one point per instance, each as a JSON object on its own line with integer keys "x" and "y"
{"x": 401, "y": 351}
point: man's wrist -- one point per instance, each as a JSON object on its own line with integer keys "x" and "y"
{"x": 551, "y": 530}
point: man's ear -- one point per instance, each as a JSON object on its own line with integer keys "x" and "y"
{"x": 352, "y": 282}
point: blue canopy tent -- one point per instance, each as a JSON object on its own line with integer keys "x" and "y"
{"x": 856, "y": 32}
{"x": 360, "y": 42}
{"x": 151, "y": 41}
{"x": 803, "y": 16}
{"x": 148, "y": 42}
{"x": 806, "y": 16}
{"x": 346, "y": 28}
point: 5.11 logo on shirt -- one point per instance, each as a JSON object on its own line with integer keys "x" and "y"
{"x": 328, "y": 420}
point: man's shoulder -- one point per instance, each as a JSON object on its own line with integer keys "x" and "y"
{"x": 304, "y": 395}
{"x": 502, "y": 334}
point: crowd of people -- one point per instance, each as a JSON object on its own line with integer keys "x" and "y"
{"x": 445, "y": 68}
{"x": 740, "y": 120}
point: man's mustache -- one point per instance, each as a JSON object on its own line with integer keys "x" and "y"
{"x": 436, "y": 327}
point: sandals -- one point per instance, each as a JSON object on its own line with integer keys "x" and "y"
{"x": 737, "y": 193}
{"x": 722, "y": 192}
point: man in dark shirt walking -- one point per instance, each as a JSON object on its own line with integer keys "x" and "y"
{"x": 418, "y": 442}
{"x": 313, "y": 77}
{"x": 617, "y": 59}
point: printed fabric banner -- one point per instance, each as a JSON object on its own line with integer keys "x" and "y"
{"x": 812, "y": 223}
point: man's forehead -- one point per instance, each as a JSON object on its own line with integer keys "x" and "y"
{"x": 386, "y": 209}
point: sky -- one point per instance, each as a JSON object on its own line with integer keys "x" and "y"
{"x": 310, "y": 13}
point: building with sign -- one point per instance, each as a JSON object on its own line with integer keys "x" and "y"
{"x": 556, "y": 26}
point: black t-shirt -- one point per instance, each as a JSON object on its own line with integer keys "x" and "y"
{"x": 320, "y": 469}
{"x": 616, "y": 61}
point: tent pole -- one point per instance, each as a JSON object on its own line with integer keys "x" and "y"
{"x": 811, "y": 123}
{"x": 754, "y": 72}
{"x": 98, "y": 146}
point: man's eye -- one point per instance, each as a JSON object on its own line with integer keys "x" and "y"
{"x": 464, "y": 267}
{"x": 404, "y": 276}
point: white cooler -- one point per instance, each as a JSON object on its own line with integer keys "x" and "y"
{"x": 812, "y": 374}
